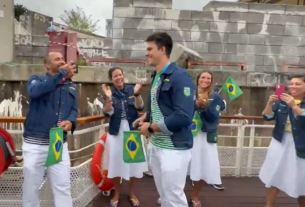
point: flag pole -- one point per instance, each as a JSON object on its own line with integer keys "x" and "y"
{"x": 223, "y": 85}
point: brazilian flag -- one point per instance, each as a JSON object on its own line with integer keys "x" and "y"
{"x": 133, "y": 151}
{"x": 196, "y": 124}
{"x": 232, "y": 89}
{"x": 55, "y": 147}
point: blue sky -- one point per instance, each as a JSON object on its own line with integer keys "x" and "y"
{"x": 100, "y": 9}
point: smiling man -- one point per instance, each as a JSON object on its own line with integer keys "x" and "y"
{"x": 168, "y": 122}
{"x": 53, "y": 102}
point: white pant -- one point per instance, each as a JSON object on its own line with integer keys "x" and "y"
{"x": 169, "y": 168}
{"x": 35, "y": 157}
{"x": 113, "y": 157}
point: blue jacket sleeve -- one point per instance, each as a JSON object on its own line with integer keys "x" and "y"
{"x": 73, "y": 115}
{"x": 211, "y": 113}
{"x": 36, "y": 88}
{"x": 183, "y": 105}
{"x": 275, "y": 107}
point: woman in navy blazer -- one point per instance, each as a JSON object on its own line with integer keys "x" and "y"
{"x": 284, "y": 167}
{"x": 204, "y": 166}
{"x": 122, "y": 105}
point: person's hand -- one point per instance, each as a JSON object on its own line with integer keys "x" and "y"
{"x": 289, "y": 100}
{"x": 201, "y": 102}
{"x": 70, "y": 67}
{"x": 273, "y": 98}
{"x": 67, "y": 125}
{"x": 137, "y": 88}
{"x": 106, "y": 90}
{"x": 137, "y": 122}
{"x": 143, "y": 128}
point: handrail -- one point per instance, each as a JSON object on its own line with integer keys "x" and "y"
{"x": 242, "y": 65}
{"x": 89, "y": 119}
{"x": 118, "y": 60}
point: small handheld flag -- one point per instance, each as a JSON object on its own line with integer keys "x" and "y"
{"x": 232, "y": 89}
{"x": 197, "y": 124}
{"x": 133, "y": 151}
{"x": 55, "y": 146}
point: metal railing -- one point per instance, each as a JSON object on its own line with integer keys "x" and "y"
{"x": 240, "y": 159}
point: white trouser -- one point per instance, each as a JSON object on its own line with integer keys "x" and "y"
{"x": 169, "y": 168}
{"x": 35, "y": 157}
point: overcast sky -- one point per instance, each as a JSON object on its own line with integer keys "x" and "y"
{"x": 100, "y": 9}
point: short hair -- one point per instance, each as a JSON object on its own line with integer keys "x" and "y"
{"x": 297, "y": 76}
{"x": 162, "y": 39}
{"x": 46, "y": 59}
{"x": 111, "y": 70}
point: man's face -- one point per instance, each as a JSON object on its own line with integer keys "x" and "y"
{"x": 56, "y": 60}
{"x": 154, "y": 54}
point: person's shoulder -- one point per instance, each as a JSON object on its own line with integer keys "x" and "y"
{"x": 35, "y": 78}
{"x": 216, "y": 95}
{"x": 181, "y": 74}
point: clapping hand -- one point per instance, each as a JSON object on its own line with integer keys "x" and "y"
{"x": 106, "y": 90}
{"x": 137, "y": 88}
{"x": 201, "y": 102}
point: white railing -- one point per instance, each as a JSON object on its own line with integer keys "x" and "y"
{"x": 235, "y": 161}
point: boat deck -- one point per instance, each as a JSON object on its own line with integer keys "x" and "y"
{"x": 239, "y": 192}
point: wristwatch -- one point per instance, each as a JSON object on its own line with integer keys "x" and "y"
{"x": 150, "y": 130}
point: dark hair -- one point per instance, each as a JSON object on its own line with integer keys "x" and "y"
{"x": 210, "y": 88}
{"x": 297, "y": 76}
{"x": 162, "y": 39}
{"x": 111, "y": 70}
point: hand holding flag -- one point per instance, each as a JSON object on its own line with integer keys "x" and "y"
{"x": 196, "y": 125}
{"x": 133, "y": 151}
{"x": 55, "y": 146}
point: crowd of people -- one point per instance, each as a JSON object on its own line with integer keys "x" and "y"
{"x": 173, "y": 152}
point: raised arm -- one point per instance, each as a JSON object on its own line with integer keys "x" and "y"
{"x": 37, "y": 88}
{"x": 271, "y": 108}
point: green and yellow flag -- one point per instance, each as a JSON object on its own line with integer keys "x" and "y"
{"x": 133, "y": 151}
{"x": 232, "y": 89}
{"x": 197, "y": 124}
{"x": 55, "y": 147}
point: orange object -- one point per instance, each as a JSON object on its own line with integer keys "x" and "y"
{"x": 99, "y": 175}
{"x": 6, "y": 158}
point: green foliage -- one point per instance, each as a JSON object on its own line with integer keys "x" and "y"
{"x": 82, "y": 62}
{"x": 77, "y": 19}
{"x": 19, "y": 10}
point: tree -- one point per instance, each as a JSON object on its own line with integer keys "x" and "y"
{"x": 19, "y": 10}
{"x": 77, "y": 19}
